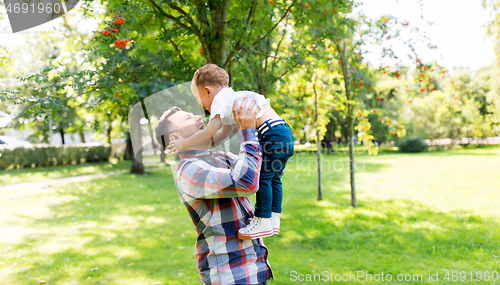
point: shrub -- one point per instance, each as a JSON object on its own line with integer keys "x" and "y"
{"x": 47, "y": 155}
{"x": 413, "y": 144}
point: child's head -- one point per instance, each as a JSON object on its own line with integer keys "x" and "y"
{"x": 207, "y": 82}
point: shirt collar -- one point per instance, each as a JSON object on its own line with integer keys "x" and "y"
{"x": 225, "y": 90}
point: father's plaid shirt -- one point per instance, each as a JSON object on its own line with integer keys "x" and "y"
{"x": 215, "y": 187}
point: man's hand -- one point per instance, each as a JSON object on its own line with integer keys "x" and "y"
{"x": 245, "y": 115}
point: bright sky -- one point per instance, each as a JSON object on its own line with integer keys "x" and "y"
{"x": 458, "y": 29}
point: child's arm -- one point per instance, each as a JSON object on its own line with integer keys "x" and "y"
{"x": 222, "y": 134}
{"x": 207, "y": 134}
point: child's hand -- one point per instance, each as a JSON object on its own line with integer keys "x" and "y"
{"x": 176, "y": 146}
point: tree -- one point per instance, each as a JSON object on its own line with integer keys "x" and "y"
{"x": 52, "y": 49}
{"x": 318, "y": 140}
{"x": 444, "y": 106}
{"x": 339, "y": 37}
{"x": 144, "y": 47}
{"x": 494, "y": 95}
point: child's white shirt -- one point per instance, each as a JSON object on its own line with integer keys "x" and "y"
{"x": 222, "y": 104}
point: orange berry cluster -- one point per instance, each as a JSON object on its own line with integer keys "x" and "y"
{"x": 120, "y": 21}
{"x": 105, "y": 32}
{"x": 121, "y": 44}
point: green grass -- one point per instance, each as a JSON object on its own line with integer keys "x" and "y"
{"x": 417, "y": 213}
{"x": 14, "y": 176}
{"x": 342, "y": 148}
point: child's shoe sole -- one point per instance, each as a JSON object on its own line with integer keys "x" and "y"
{"x": 257, "y": 235}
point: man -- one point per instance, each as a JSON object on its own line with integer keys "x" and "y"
{"x": 215, "y": 188}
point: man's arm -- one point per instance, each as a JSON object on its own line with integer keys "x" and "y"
{"x": 204, "y": 181}
{"x": 206, "y": 134}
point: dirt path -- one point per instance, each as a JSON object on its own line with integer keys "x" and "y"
{"x": 48, "y": 182}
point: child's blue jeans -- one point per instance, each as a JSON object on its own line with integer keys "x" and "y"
{"x": 276, "y": 138}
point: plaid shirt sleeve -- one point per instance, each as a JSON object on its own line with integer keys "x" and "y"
{"x": 200, "y": 180}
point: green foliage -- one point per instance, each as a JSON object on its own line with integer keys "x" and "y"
{"x": 462, "y": 107}
{"x": 494, "y": 23}
{"x": 21, "y": 157}
{"x": 378, "y": 129}
{"x": 412, "y": 144}
{"x": 493, "y": 96}
{"x": 4, "y": 57}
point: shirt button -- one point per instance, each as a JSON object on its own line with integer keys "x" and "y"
{"x": 260, "y": 153}
{"x": 256, "y": 133}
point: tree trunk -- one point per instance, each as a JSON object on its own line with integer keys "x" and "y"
{"x": 82, "y": 136}
{"x": 108, "y": 132}
{"x": 137, "y": 166}
{"x": 150, "y": 128}
{"x": 127, "y": 155}
{"x": 352, "y": 163}
{"x": 61, "y": 131}
{"x": 136, "y": 156}
{"x": 162, "y": 154}
{"x": 350, "y": 125}
{"x": 318, "y": 142}
{"x": 219, "y": 11}
{"x": 333, "y": 128}
{"x": 330, "y": 138}
{"x": 151, "y": 134}
{"x": 230, "y": 73}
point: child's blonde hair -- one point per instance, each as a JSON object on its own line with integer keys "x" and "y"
{"x": 211, "y": 75}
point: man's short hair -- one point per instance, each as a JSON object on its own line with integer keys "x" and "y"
{"x": 211, "y": 75}
{"x": 165, "y": 127}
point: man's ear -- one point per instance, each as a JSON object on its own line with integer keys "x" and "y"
{"x": 174, "y": 136}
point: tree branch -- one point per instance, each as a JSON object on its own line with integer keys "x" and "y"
{"x": 238, "y": 44}
{"x": 176, "y": 49}
{"x": 261, "y": 53}
{"x": 202, "y": 16}
{"x": 168, "y": 15}
{"x": 278, "y": 47}
{"x": 297, "y": 63}
{"x": 186, "y": 15}
{"x": 223, "y": 29}
{"x": 204, "y": 26}
{"x": 272, "y": 29}
{"x": 197, "y": 30}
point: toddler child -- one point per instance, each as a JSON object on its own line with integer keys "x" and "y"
{"x": 210, "y": 86}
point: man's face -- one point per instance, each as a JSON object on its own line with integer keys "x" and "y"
{"x": 186, "y": 124}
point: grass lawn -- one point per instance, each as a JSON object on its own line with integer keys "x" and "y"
{"x": 417, "y": 213}
{"x": 34, "y": 174}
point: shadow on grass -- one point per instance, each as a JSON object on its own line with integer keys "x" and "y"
{"x": 333, "y": 166}
{"x": 14, "y": 176}
{"x": 396, "y": 237}
{"x": 116, "y": 230}
{"x": 135, "y": 230}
